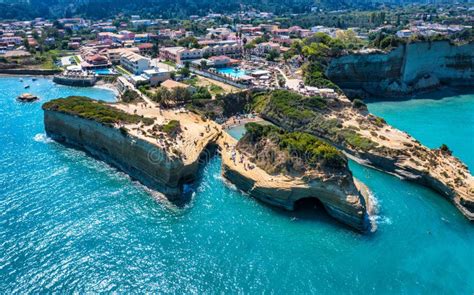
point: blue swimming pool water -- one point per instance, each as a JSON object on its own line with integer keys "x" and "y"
{"x": 232, "y": 71}
{"x": 69, "y": 222}
{"x": 103, "y": 71}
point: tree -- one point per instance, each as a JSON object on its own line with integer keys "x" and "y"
{"x": 316, "y": 51}
{"x": 185, "y": 72}
{"x": 26, "y": 43}
{"x": 189, "y": 42}
{"x": 297, "y": 47}
{"x": 181, "y": 95}
{"x": 155, "y": 50}
{"x": 249, "y": 46}
{"x": 162, "y": 96}
{"x": 129, "y": 96}
{"x": 202, "y": 93}
{"x": 273, "y": 54}
{"x": 203, "y": 64}
{"x": 348, "y": 38}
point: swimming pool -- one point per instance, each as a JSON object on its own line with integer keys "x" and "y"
{"x": 234, "y": 72}
{"x": 104, "y": 71}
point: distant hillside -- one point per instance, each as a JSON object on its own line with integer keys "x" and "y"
{"x": 27, "y": 9}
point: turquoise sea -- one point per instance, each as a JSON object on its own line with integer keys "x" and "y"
{"x": 69, "y": 222}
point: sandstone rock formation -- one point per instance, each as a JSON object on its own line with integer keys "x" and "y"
{"x": 371, "y": 141}
{"x": 405, "y": 70}
{"x": 263, "y": 171}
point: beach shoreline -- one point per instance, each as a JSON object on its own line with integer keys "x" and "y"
{"x": 236, "y": 121}
{"x": 108, "y": 86}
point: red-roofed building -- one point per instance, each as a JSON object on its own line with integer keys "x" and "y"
{"x": 220, "y": 61}
{"x": 97, "y": 59}
{"x": 145, "y": 48}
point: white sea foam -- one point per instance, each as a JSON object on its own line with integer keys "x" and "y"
{"x": 60, "y": 171}
{"x": 42, "y": 137}
{"x": 375, "y": 217}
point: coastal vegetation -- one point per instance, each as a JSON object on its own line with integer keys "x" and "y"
{"x": 172, "y": 128}
{"x": 316, "y": 52}
{"x": 129, "y": 96}
{"x": 297, "y": 151}
{"x": 223, "y": 105}
{"x": 94, "y": 110}
{"x": 169, "y": 97}
{"x": 295, "y": 111}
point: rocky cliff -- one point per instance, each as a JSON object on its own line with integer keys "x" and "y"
{"x": 138, "y": 158}
{"x": 162, "y": 149}
{"x": 343, "y": 197}
{"x": 155, "y": 149}
{"x": 371, "y": 141}
{"x": 405, "y": 70}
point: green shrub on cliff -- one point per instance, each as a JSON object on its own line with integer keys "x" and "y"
{"x": 359, "y": 104}
{"x": 356, "y": 140}
{"x": 308, "y": 114}
{"x": 172, "y": 128}
{"x": 288, "y": 104}
{"x": 310, "y": 149}
{"x": 313, "y": 74}
{"x": 129, "y": 96}
{"x": 94, "y": 110}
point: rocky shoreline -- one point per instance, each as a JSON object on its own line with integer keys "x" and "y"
{"x": 165, "y": 171}
{"x": 348, "y": 201}
{"x": 140, "y": 159}
{"x": 372, "y": 142}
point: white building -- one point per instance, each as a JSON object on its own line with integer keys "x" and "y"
{"x": 134, "y": 62}
{"x": 404, "y": 34}
{"x": 156, "y": 75}
{"x": 180, "y": 54}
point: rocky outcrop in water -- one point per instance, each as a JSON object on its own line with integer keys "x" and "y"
{"x": 280, "y": 178}
{"x": 141, "y": 146}
{"x": 138, "y": 158}
{"x": 405, "y": 70}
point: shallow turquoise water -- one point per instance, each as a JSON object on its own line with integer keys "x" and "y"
{"x": 234, "y": 72}
{"x": 435, "y": 121}
{"x": 68, "y": 222}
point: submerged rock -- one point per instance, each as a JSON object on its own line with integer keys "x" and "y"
{"x": 27, "y": 97}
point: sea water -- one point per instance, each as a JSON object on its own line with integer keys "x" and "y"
{"x": 69, "y": 222}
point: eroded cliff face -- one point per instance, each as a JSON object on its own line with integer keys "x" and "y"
{"x": 405, "y": 70}
{"x": 166, "y": 172}
{"x": 343, "y": 197}
{"x": 373, "y": 142}
{"x": 138, "y": 158}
